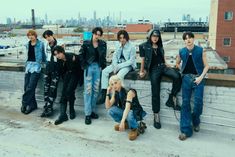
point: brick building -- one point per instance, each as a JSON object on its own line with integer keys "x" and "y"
{"x": 222, "y": 30}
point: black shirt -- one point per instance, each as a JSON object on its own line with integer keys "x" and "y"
{"x": 52, "y": 47}
{"x": 157, "y": 57}
{"x": 96, "y": 55}
{"x": 31, "y": 53}
{"x": 190, "y": 67}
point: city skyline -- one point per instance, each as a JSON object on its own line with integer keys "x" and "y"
{"x": 123, "y": 10}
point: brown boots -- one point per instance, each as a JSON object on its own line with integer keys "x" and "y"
{"x": 132, "y": 135}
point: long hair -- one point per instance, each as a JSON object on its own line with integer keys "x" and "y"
{"x": 150, "y": 33}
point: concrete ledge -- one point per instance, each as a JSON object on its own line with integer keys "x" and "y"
{"x": 219, "y": 80}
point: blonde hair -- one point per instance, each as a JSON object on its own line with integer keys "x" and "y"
{"x": 115, "y": 78}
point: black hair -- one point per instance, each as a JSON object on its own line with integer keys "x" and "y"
{"x": 189, "y": 34}
{"x": 96, "y": 29}
{"x": 159, "y": 42}
{"x": 59, "y": 49}
{"x": 124, "y": 33}
{"x": 48, "y": 33}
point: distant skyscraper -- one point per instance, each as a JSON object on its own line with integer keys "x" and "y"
{"x": 94, "y": 15}
{"x": 188, "y": 18}
{"x": 46, "y": 19}
{"x": 9, "y": 22}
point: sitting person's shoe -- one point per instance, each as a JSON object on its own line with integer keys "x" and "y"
{"x": 172, "y": 102}
{"x": 156, "y": 121}
{"x": 94, "y": 115}
{"x": 183, "y": 136}
{"x": 133, "y": 134}
{"x": 88, "y": 120}
{"x": 196, "y": 128}
{"x": 116, "y": 127}
{"x": 61, "y": 119}
{"x": 101, "y": 97}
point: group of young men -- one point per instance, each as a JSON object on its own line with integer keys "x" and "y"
{"x": 89, "y": 67}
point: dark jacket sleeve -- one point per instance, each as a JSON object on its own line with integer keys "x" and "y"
{"x": 141, "y": 50}
{"x": 82, "y": 56}
{"x": 103, "y": 63}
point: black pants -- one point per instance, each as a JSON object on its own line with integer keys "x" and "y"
{"x": 51, "y": 79}
{"x": 30, "y": 84}
{"x": 156, "y": 74}
{"x": 68, "y": 92}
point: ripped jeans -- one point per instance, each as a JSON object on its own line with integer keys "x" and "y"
{"x": 91, "y": 87}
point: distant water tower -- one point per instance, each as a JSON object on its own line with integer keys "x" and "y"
{"x": 33, "y": 19}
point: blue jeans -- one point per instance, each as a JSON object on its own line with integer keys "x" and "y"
{"x": 105, "y": 75}
{"x": 116, "y": 113}
{"x": 186, "y": 118}
{"x": 30, "y": 84}
{"x": 91, "y": 87}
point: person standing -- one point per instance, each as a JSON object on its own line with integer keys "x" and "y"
{"x": 194, "y": 68}
{"x": 93, "y": 59}
{"x": 72, "y": 75}
{"x": 35, "y": 56}
{"x": 153, "y": 61}
{"x": 51, "y": 76}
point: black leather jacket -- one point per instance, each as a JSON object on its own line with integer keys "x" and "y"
{"x": 72, "y": 66}
{"x": 87, "y": 50}
{"x": 146, "y": 52}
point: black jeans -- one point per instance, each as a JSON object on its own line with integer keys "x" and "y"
{"x": 30, "y": 84}
{"x": 156, "y": 74}
{"x": 68, "y": 92}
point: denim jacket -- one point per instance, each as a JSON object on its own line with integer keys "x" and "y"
{"x": 40, "y": 57}
{"x": 197, "y": 56}
{"x": 129, "y": 53}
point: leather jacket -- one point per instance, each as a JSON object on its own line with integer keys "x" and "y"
{"x": 87, "y": 51}
{"x": 146, "y": 52}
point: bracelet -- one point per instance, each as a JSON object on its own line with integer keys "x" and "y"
{"x": 129, "y": 101}
{"x": 108, "y": 95}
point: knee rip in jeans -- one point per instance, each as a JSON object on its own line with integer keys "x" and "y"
{"x": 96, "y": 86}
{"x": 88, "y": 88}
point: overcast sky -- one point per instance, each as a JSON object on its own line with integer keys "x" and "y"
{"x": 155, "y": 10}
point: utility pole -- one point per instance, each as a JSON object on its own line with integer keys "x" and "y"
{"x": 33, "y": 19}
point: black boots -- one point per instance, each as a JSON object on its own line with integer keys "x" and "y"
{"x": 101, "y": 97}
{"x": 72, "y": 113}
{"x": 171, "y": 102}
{"x": 48, "y": 111}
{"x": 156, "y": 121}
{"x": 63, "y": 116}
{"x": 61, "y": 119}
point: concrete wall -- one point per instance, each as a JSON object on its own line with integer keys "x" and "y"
{"x": 219, "y": 98}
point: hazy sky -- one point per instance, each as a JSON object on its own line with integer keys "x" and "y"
{"x": 155, "y": 10}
